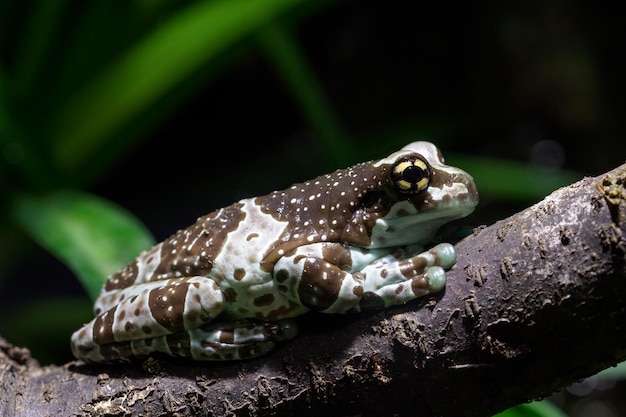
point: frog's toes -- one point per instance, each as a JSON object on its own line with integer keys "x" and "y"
{"x": 283, "y": 329}
{"x": 444, "y": 258}
{"x": 206, "y": 350}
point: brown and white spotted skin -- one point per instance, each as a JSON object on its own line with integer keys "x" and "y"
{"x": 228, "y": 286}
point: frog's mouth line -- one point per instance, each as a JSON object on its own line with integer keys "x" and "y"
{"x": 423, "y": 219}
{"x": 449, "y": 213}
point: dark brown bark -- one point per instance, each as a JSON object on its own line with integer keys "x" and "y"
{"x": 535, "y": 302}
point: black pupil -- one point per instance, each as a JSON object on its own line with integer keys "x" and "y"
{"x": 413, "y": 174}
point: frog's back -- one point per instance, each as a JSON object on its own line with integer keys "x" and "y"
{"x": 239, "y": 244}
{"x": 189, "y": 252}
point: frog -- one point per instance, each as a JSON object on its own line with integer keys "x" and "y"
{"x": 231, "y": 286}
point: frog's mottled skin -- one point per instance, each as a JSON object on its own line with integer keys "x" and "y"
{"x": 227, "y": 286}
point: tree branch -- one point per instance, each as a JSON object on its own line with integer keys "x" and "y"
{"x": 535, "y": 302}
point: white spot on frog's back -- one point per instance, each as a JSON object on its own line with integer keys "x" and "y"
{"x": 245, "y": 247}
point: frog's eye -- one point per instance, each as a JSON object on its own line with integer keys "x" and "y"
{"x": 410, "y": 175}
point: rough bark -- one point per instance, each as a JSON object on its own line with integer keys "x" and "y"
{"x": 535, "y": 302}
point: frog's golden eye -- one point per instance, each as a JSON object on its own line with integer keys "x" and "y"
{"x": 410, "y": 175}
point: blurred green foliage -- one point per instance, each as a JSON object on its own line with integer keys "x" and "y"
{"x": 91, "y": 236}
{"x": 534, "y": 409}
{"x": 76, "y": 93}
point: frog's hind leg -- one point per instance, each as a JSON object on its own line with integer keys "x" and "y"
{"x": 221, "y": 341}
{"x": 139, "y": 322}
{"x": 233, "y": 340}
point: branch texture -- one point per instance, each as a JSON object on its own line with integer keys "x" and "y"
{"x": 535, "y": 302}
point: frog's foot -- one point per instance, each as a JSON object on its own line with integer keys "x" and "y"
{"x": 318, "y": 277}
{"x": 398, "y": 282}
{"x": 220, "y": 341}
{"x": 237, "y": 340}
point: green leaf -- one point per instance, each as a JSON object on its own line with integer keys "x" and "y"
{"x": 39, "y": 33}
{"x": 151, "y": 68}
{"x": 93, "y": 237}
{"x": 510, "y": 180}
{"x": 615, "y": 372}
{"x": 534, "y": 409}
{"x": 299, "y": 78}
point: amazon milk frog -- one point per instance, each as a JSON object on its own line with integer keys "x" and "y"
{"x": 229, "y": 286}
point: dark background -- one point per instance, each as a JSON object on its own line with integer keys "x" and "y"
{"x": 539, "y": 83}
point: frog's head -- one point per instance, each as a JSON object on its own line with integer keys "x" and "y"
{"x": 423, "y": 193}
{"x": 399, "y": 200}
{"x": 419, "y": 194}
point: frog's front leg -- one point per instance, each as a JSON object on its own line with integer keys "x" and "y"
{"x": 146, "y": 314}
{"x": 322, "y": 277}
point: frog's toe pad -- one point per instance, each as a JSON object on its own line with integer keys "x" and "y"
{"x": 436, "y": 278}
{"x": 445, "y": 255}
